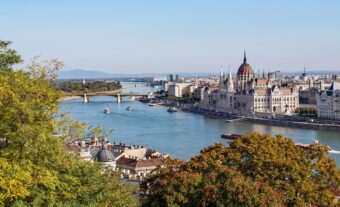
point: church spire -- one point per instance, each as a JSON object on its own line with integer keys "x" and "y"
{"x": 230, "y": 82}
{"x": 221, "y": 71}
{"x": 263, "y": 75}
{"x": 245, "y": 57}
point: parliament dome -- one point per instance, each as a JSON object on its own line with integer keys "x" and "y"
{"x": 245, "y": 69}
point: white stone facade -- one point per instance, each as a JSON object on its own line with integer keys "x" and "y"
{"x": 328, "y": 102}
{"x": 178, "y": 89}
{"x": 247, "y": 95}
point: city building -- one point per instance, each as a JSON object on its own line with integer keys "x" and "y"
{"x": 138, "y": 169}
{"x": 336, "y": 77}
{"x": 311, "y": 94}
{"x": 170, "y": 77}
{"x": 178, "y": 89}
{"x": 247, "y": 95}
{"x": 177, "y": 78}
{"x": 328, "y": 102}
{"x": 106, "y": 158}
{"x": 133, "y": 162}
{"x": 199, "y": 93}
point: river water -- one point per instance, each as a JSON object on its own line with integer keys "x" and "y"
{"x": 179, "y": 134}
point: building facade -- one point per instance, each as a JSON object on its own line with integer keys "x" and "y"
{"x": 246, "y": 94}
{"x": 178, "y": 89}
{"x": 328, "y": 103}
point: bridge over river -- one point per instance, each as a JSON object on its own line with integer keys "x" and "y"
{"x": 118, "y": 95}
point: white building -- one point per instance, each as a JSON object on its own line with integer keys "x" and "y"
{"x": 178, "y": 89}
{"x": 247, "y": 95}
{"x": 328, "y": 102}
{"x": 199, "y": 93}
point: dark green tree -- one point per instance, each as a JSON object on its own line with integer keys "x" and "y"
{"x": 8, "y": 57}
{"x": 255, "y": 170}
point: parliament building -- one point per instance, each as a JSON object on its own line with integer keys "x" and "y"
{"x": 246, "y": 94}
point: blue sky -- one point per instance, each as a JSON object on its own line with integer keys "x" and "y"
{"x": 148, "y": 36}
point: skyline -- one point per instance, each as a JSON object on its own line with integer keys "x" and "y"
{"x": 153, "y": 36}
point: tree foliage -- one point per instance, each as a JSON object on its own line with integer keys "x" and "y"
{"x": 34, "y": 168}
{"x": 255, "y": 170}
{"x": 8, "y": 57}
{"x": 76, "y": 87}
{"x": 306, "y": 111}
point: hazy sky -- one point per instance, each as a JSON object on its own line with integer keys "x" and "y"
{"x": 176, "y": 35}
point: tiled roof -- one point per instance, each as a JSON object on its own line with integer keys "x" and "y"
{"x": 285, "y": 91}
{"x": 72, "y": 148}
{"x": 123, "y": 161}
{"x": 262, "y": 81}
{"x": 245, "y": 69}
{"x": 262, "y": 91}
{"x": 150, "y": 162}
{"x": 126, "y": 161}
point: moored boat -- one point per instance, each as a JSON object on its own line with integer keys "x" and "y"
{"x": 172, "y": 109}
{"x": 106, "y": 111}
{"x": 230, "y": 136}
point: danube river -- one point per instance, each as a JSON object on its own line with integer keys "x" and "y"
{"x": 179, "y": 134}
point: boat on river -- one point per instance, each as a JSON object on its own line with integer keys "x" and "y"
{"x": 172, "y": 109}
{"x": 230, "y": 136}
{"x": 129, "y": 108}
{"x": 306, "y": 146}
{"x": 106, "y": 111}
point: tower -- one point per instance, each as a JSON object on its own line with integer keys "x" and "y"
{"x": 244, "y": 74}
{"x": 230, "y": 84}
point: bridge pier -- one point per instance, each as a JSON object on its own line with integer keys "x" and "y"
{"x": 85, "y": 99}
{"x": 118, "y": 98}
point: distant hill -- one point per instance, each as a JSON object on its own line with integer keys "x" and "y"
{"x": 80, "y": 73}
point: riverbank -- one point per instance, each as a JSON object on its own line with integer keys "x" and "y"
{"x": 272, "y": 122}
{"x": 306, "y": 125}
{"x": 66, "y": 98}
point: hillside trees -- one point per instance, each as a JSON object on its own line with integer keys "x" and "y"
{"x": 34, "y": 168}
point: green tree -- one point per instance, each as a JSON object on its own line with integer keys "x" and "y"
{"x": 255, "y": 170}
{"x": 8, "y": 57}
{"x": 35, "y": 170}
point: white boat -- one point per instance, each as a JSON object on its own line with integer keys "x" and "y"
{"x": 106, "y": 111}
{"x": 172, "y": 109}
{"x": 129, "y": 108}
{"x": 151, "y": 104}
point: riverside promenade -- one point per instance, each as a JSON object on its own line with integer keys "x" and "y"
{"x": 288, "y": 121}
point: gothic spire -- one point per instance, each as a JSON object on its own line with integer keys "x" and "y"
{"x": 221, "y": 72}
{"x": 245, "y": 57}
{"x": 229, "y": 77}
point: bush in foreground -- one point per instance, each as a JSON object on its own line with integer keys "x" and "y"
{"x": 255, "y": 170}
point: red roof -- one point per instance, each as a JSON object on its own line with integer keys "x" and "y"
{"x": 140, "y": 163}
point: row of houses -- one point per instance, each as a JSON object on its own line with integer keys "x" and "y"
{"x": 132, "y": 162}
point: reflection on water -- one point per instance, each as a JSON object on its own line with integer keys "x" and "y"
{"x": 180, "y": 134}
